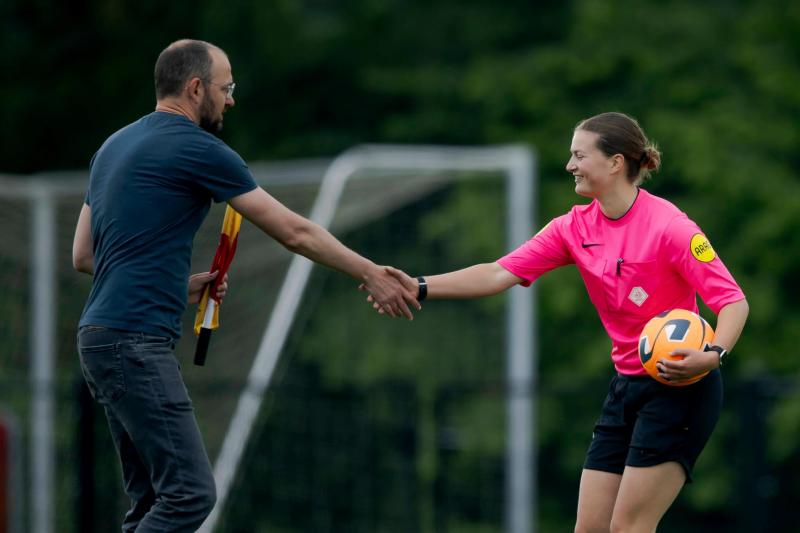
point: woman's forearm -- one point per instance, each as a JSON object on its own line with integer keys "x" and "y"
{"x": 480, "y": 280}
{"x": 730, "y": 322}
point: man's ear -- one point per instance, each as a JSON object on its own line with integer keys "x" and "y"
{"x": 195, "y": 89}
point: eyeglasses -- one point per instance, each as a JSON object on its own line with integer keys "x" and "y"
{"x": 228, "y": 88}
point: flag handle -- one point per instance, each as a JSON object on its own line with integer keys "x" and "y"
{"x": 202, "y": 347}
{"x": 204, "y": 338}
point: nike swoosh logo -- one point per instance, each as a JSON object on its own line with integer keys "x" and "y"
{"x": 590, "y": 244}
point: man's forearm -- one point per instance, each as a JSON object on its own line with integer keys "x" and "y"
{"x": 320, "y": 246}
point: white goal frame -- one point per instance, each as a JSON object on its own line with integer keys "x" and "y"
{"x": 518, "y": 164}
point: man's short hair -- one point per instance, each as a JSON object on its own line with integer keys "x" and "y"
{"x": 180, "y": 62}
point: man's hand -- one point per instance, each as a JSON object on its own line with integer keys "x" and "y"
{"x": 694, "y": 363}
{"x": 198, "y": 282}
{"x": 391, "y": 292}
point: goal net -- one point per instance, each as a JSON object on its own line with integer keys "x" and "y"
{"x": 402, "y": 186}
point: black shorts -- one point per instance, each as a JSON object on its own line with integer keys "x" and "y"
{"x": 646, "y": 423}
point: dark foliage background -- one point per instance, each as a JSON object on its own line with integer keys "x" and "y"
{"x": 714, "y": 83}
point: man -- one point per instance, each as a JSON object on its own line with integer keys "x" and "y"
{"x": 151, "y": 186}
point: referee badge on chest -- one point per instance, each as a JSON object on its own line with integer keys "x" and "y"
{"x": 638, "y": 296}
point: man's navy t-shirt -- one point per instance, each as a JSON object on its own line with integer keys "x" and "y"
{"x": 151, "y": 185}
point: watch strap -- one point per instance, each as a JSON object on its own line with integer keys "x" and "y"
{"x": 423, "y": 288}
{"x": 719, "y": 349}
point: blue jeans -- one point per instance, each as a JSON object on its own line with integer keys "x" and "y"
{"x": 165, "y": 467}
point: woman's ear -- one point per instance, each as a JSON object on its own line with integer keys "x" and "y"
{"x": 617, "y": 162}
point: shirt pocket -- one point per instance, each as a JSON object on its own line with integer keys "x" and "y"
{"x": 630, "y": 287}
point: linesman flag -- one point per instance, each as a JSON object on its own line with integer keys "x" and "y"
{"x": 207, "y": 318}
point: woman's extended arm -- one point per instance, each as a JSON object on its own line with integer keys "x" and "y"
{"x": 480, "y": 280}
{"x": 477, "y": 281}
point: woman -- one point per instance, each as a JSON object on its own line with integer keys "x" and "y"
{"x": 638, "y": 256}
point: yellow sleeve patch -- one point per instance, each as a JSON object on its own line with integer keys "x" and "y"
{"x": 701, "y": 248}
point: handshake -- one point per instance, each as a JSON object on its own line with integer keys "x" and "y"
{"x": 392, "y": 292}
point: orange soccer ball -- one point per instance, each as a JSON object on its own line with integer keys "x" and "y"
{"x": 669, "y": 331}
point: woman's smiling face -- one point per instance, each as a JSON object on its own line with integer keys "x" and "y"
{"x": 594, "y": 172}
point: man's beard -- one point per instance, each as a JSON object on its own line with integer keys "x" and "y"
{"x": 207, "y": 121}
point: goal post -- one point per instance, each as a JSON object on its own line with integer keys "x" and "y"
{"x": 518, "y": 165}
{"x": 45, "y": 298}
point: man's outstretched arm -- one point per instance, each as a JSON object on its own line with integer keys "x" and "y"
{"x": 304, "y": 237}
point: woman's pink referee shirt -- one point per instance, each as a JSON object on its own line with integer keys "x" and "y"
{"x": 652, "y": 259}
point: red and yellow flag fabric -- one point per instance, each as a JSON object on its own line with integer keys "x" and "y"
{"x": 208, "y": 311}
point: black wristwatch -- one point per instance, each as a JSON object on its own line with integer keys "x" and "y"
{"x": 719, "y": 349}
{"x": 423, "y": 288}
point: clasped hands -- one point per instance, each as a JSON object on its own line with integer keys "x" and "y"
{"x": 391, "y": 292}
